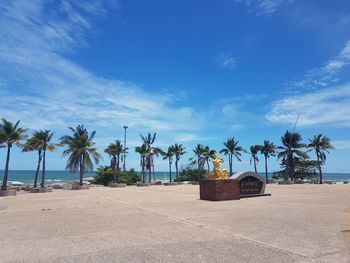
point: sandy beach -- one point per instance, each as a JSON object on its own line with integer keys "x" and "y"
{"x": 298, "y": 223}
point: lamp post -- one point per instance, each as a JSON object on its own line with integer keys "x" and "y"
{"x": 125, "y": 127}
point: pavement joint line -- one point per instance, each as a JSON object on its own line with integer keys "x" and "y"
{"x": 214, "y": 229}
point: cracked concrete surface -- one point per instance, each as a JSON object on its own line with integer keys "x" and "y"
{"x": 298, "y": 223}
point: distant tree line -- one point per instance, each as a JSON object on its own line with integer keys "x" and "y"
{"x": 82, "y": 155}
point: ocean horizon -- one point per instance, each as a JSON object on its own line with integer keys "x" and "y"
{"x": 59, "y": 176}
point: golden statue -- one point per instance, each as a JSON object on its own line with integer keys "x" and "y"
{"x": 218, "y": 173}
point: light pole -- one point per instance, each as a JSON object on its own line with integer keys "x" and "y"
{"x": 125, "y": 127}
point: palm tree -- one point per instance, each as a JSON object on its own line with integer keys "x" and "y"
{"x": 207, "y": 155}
{"x": 267, "y": 149}
{"x": 40, "y": 142}
{"x": 321, "y": 144}
{"x": 232, "y": 149}
{"x": 198, "y": 151}
{"x": 254, "y": 155}
{"x": 291, "y": 147}
{"x": 148, "y": 141}
{"x": 168, "y": 155}
{"x": 80, "y": 150}
{"x": 114, "y": 150}
{"x": 142, "y": 150}
{"x": 178, "y": 150}
{"x": 10, "y": 134}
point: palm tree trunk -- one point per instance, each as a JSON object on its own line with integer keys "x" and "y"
{"x": 37, "y": 169}
{"x": 177, "y": 171}
{"x": 43, "y": 171}
{"x": 81, "y": 170}
{"x": 230, "y": 163}
{"x": 170, "y": 171}
{"x": 254, "y": 159}
{"x": 267, "y": 179}
{"x": 208, "y": 167}
{"x": 4, "y": 181}
{"x": 149, "y": 170}
{"x": 319, "y": 168}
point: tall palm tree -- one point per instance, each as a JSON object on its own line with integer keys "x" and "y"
{"x": 232, "y": 149}
{"x": 10, "y": 134}
{"x": 143, "y": 151}
{"x": 267, "y": 149}
{"x": 40, "y": 142}
{"x": 114, "y": 150}
{"x": 80, "y": 149}
{"x": 254, "y": 150}
{"x": 291, "y": 147}
{"x": 198, "y": 159}
{"x": 207, "y": 155}
{"x": 321, "y": 144}
{"x": 178, "y": 150}
{"x": 168, "y": 155}
{"x": 149, "y": 141}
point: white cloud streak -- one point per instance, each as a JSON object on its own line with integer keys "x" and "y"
{"x": 263, "y": 7}
{"x": 226, "y": 60}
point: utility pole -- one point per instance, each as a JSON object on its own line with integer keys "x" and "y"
{"x": 124, "y": 152}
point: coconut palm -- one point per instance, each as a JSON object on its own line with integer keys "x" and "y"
{"x": 198, "y": 159}
{"x": 267, "y": 149}
{"x": 207, "y": 155}
{"x": 114, "y": 150}
{"x": 10, "y": 134}
{"x": 143, "y": 151}
{"x": 168, "y": 155}
{"x": 290, "y": 150}
{"x": 254, "y": 150}
{"x": 321, "y": 144}
{"x": 149, "y": 141}
{"x": 40, "y": 142}
{"x": 80, "y": 149}
{"x": 232, "y": 149}
{"x": 178, "y": 150}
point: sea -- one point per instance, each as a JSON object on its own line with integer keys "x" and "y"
{"x": 52, "y": 177}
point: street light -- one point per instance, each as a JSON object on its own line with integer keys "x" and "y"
{"x": 125, "y": 127}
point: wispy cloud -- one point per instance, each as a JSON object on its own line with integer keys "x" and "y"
{"x": 341, "y": 144}
{"x": 263, "y": 7}
{"x": 326, "y": 106}
{"x": 226, "y": 60}
{"x": 40, "y": 85}
{"x": 328, "y": 74}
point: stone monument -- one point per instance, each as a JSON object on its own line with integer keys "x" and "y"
{"x": 218, "y": 186}
{"x": 250, "y": 184}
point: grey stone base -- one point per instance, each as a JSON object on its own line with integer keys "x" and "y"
{"x": 286, "y": 182}
{"x": 41, "y": 190}
{"x": 172, "y": 183}
{"x": 143, "y": 184}
{"x": 8, "y": 193}
{"x": 116, "y": 185}
{"x": 80, "y": 187}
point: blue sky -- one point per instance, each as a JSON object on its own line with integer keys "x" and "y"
{"x": 192, "y": 71}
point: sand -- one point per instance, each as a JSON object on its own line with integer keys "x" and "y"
{"x": 298, "y": 223}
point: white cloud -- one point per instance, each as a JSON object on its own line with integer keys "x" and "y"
{"x": 341, "y": 144}
{"x": 263, "y": 7}
{"x": 326, "y": 75}
{"x": 326, "y": 106}
{"x": 226, "y": 60}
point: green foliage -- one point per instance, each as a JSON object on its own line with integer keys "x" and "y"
{"x": 189, "y": 174}
{"x": 304, "y": 169}
{"x": 104, "y": 175}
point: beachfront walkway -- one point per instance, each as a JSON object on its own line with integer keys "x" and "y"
{"x": 300, "y": 223}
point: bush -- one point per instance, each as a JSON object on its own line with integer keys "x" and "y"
{"x": 104, "y": 175}
{"x": 189, "y": 174}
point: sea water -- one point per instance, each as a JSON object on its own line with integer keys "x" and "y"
{"x": 51, "y": 177}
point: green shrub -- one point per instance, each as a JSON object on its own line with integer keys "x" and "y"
{"x": 105, "y": 175}
{"x": 189, "y": 174}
